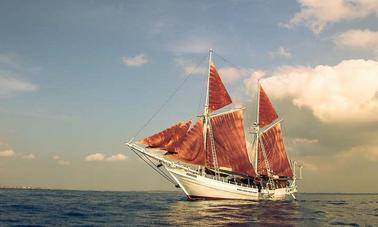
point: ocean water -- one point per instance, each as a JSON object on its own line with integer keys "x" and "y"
{"x": 90, "y": 208}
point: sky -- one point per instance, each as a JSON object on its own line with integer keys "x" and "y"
{"x": 78, "y": 79}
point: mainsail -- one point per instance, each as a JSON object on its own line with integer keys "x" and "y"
{"x": 271, "y": 149}
{"x": 230, "y": 143}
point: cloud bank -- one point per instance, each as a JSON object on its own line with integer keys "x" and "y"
{"x": 346, "y": 92}
{"x": 316, "y": 15}
{"x": 358, "y": 39}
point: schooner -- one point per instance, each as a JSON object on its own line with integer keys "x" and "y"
{"x": 209, "y": 159}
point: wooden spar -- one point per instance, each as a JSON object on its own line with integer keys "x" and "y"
{"x": 207, "y": 124}
{"x": 257, "y": 127}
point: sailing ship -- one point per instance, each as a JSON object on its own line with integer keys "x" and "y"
{"x": 209, "y": 159}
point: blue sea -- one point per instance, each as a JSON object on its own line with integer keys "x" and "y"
{"x": 94, "y": 208}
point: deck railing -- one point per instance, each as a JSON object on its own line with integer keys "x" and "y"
{"x": 228, "y": 181}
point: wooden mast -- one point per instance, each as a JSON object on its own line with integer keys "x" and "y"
{"x": 207, "y": 125}
{"x": 257, "y": 129}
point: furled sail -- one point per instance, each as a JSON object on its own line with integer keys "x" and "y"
{"x": 267, "y": 114}
{"x": 276, "y": 156}
{"x": 167, "y": 139}
{"x": 218, "y": 95}
{"x": 230, "y": 143}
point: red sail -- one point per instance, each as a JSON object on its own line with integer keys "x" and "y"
{"x": 275, "y": 153}
{"x": 191, "y": 148}
{"x": 261, "y": 166}
{"x": 230, "y": 145}
{"x": 167, "y": 139}
{"x": 267, "y": 114}
{"x": 218, "y": 95}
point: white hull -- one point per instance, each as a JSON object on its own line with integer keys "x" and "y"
{"x": 200, "y": 187}
{"x": 197, "y": 186}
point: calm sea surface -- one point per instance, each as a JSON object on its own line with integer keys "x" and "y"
{"x": 64, "y": 207}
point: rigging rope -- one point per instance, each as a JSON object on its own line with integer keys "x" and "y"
{"x": 224, "y": 59}
{"x": 202, "y": 94}
{"x": 154, "y": 168}
{"x": 169, "y": 98}
{"x": 161, "y": 171}
{"x": 150, "y": 162}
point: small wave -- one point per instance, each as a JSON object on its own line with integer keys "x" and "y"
{"x": 341, "y": 202}
{"x": 74, "y": 214}
{"x": 344, "y": 224}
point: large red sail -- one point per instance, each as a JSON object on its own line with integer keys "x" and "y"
{"x": 167, "y": 139}
{"x": 191, "y": 148}
{"x": 230, "y": 144}
{"x": 218, "y": 95}
{"x": 275, "y": 153}
{"x": 267, "y": 114}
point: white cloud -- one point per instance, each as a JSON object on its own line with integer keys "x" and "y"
{"x": 251, "y": 82}
{"x": 299, "y": 140}
{"x": 29, "y": 156}
{"x": 116, "y": 157}
{"x": 137, "y": 60}
{"x": 7, "y": 153}
{"x": 190, "y": 68}
{"x": 227, "y": 74}
{"x": 316, "y": 15}
{"x": 280, "y": 52}
{"x": 9, "y": 83}
{"x": 293, "y": 143}
{"x": 233, "y": 74}
{"x": 102, "y": 157}
{"x": 358, "y": 39}
{"x": 95, "y": 157}
{"x": 345, "y": 92}
{"x": 11, "y": 86}
{"x": 63, "y": 162}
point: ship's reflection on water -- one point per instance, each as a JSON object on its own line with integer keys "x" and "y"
{"x": 233, "y": 212}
